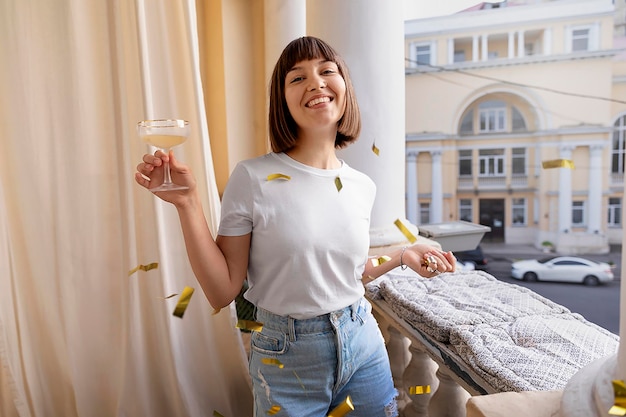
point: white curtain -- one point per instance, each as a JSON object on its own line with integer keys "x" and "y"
{"x": 78, "y": 335}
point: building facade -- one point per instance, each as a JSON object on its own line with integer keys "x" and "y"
{"x": 516, "y": 119}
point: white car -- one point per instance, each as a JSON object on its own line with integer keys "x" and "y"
{"x": 562, "y": 268}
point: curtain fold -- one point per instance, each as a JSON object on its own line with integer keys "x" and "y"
{"x": 79, "y": 336}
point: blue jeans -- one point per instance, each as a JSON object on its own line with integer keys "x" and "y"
{"x": 306, "y": 368}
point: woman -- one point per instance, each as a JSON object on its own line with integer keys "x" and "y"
{"x": 295, "y": 223}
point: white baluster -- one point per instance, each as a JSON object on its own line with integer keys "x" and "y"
{"x": 449, "y": 399}
{"x": 420, "y": 372}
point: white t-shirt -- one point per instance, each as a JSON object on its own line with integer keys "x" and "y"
{"x": 309, "y": 240}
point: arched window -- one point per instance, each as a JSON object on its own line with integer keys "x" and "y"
{"x": 492, "y": 116}
{"x": 619, "y": 147}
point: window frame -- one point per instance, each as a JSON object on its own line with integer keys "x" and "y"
{"x": 522, "y": 205}
{"x": 579, "y": 206}
{"x": 614, "y": 212}
{"x": 485, "y": 165}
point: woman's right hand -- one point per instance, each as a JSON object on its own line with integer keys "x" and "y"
{"x": 150, "y": 174}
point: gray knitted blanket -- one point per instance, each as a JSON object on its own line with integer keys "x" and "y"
{"x": 514, "y": 338}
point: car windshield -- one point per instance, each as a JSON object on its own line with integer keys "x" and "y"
{"x": 544, "y": 260}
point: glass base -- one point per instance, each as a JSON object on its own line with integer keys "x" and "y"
{"x": 168, "y": 187}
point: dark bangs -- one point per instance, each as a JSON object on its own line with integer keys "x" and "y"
{"x": 282, "y": 128}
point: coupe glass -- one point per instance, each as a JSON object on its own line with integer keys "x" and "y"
{"x": 164, "y": 134}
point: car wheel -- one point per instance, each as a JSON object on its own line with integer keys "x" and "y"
{"x": 591, "y": 280}
{"x": 530, "y": 277}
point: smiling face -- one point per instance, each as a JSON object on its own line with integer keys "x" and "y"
{"x": 315, "y": 93}
{"x": 309, "y": 55}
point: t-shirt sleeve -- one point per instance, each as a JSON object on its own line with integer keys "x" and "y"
{"x": 237, "y": 204}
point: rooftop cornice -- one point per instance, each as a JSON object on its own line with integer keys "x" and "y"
{"x": 530, "y": 14}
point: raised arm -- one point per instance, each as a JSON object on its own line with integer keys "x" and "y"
{"x": 220, "y": 266}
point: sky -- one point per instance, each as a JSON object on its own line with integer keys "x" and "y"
{"x": 419, "y": 9}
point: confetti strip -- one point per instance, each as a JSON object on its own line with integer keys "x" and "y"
{"x": 375, "y": 149}
{"x": 183, "y": 302}
{"x": 216, "y": 414}
{"x": 558, "y": 163}
{"x": 254, "y": 326}
{"x": 216, "y": 311}
{"x": 343, "y": 408}
{"x": 338, "y": 184}
{"x": 406, "y": 232}
{"x": 168, "y": 297}
{"x": 380, "y": 260}
{"x": 273, "y": 361}
{"x": 619, "y": 389}
{"x": 419, "y": 389}
{"x": 275, "y": 409}
{"x": 278, "y": 177}
{"x": 148, "y": 267}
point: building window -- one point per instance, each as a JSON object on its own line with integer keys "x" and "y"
{"x": 518, "y": 211}
{"x": 580, "y": 39}
{"x": 578, "y": 213}
{"x": 422, "y": 53}
{"x": 491, "y": 162}
{"x": 467, "y": 124}
{"x": 518, "y": 161}
{"x": 465, "y": 209}
{"x": 492, "y": 116}
{"x": 518, "y": 124}
{"x": 424, "y": 213}
{"x": 618, "y": 151}
{"x": 583, "y": 38}
{"x": 465, "y": 163}
{"x": 615, "y": 212}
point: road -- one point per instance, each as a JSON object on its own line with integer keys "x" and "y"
{"x": 599, "y": 305}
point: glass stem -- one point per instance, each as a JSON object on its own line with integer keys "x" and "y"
{"x": 167, "y": 176}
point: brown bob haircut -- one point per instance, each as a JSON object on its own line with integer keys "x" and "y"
{"x": 283, "y": 129}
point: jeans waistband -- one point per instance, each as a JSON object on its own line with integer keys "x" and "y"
{"x": 292, "y": 326}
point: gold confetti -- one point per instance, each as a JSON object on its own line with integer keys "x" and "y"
{"x": 380, "y": 260}
{"x": 216, "y": 414}
{"x": 343, "y": 408}
{"x": 406, "y": 232}
{"x": 254, "y": 326}
{"x": 272, "y": 361}
{"x": 168, "y": 297}
{"x": 375, "y": 149}
{"x": 183, "y": 302}
{"x": 338, "y": 184}
{"x": 278, "y": 177}
{"x": 148, "y": 267}
{"x": 275, "y": 409}
{"x": 558, "y": 163}
{"x": 619, "y": 389}
{"x": 419, "y": 389}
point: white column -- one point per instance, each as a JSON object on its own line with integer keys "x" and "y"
{"x": 436, "y": 202}
{"x": 475, "y": 48}
{"x": 412, "y": 186}
{"x": 285, "y": 20}
{"x": 450, "y": 51}
{"x": 484, "y": 47}
{"x": 547, "y": 41}
{"x": 565, "y": 193}
{"x": 369, "y": 34}
{"x": 511, "y": 45}
{"x": 520, "y": 44}
{"x": 594, "y": 224}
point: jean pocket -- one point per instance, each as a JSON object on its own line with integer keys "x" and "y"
{"x": 364, "y": 311}
{"x": 269, "y": 342}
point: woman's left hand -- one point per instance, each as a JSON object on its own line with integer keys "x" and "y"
{"x": 428, "y": 261}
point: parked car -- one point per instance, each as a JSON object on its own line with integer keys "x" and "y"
{"x": 475, "y": 256}
{"x": 562, "y": 268}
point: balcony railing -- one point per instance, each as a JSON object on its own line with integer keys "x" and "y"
{"x": 429, "y": 349}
